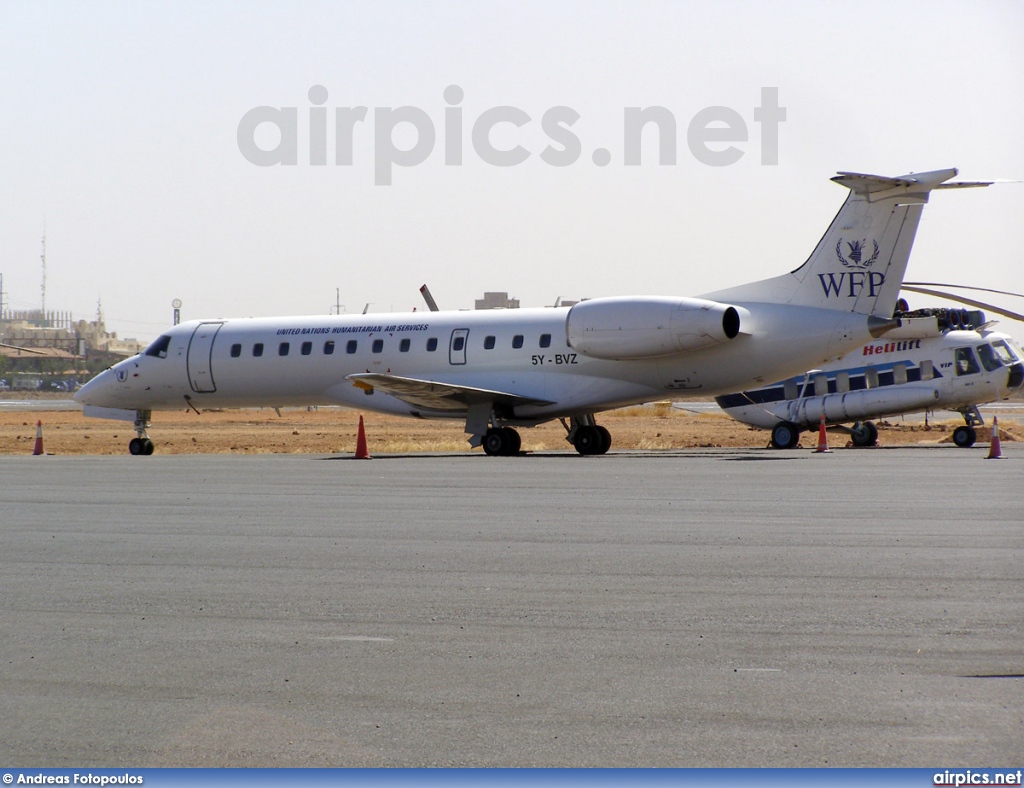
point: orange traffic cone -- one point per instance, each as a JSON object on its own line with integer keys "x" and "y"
{"x": 994, "y": 451}
{"x": 361, "y": 452}
{"x": 39, "y": 439}
{"x": 822, "y": 438}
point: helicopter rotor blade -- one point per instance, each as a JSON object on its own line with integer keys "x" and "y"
{"x": 965, "y": 287}
{"x": 969, "y": 301}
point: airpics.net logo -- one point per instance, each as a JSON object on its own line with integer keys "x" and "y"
{"x": 714, "y": 135}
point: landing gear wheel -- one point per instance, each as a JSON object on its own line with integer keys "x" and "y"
{"x": 588, "y": 440}
{"x": 785, "y": 435}
{"x": 606, "y": 439}
{"x": 864, "y": 434}
{"x": 496, "y": 442}
{"x": 140, "y": 446}
{"x": 964, "y": 437}
{"x": 515, "y": 443}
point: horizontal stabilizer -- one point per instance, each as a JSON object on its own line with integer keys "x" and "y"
{"x": 913, "y": 187}
{"x": 432, "y": 395}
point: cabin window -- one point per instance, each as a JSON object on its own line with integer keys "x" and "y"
{"x": 403, "y": 346}
{"x": 458, "y": 343}
{"x": 1005, "y": 352}
{"x": 820, "y": 385}
{"x": 927, "y": 368}
{"x": 351, "y": 347}
{"x": 517, "y": 341}
{"x": 899, "y": 373}
{"x": 257, "y": 349}
{"x": 159, "y": 347}
{"x": 378, "y": 346}
{"x": 545, "y": 340}
{"x": 283, "y": 348}
{"x": 790, "y": 389}
{"x": 432, "y": 344}
{"x": 329, "y": 347}
{"x": 307, "y": 348}
{"x": 988, "y": 357}
{"x": 236, "y": 350}
{"x": 966, "y": 363}
{"x": 489, "y": 343}
{"x": 842, "y": 382}
{"x": 871, "y": 377}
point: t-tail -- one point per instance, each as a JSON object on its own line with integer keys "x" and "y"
{"x": 859, "y": 264}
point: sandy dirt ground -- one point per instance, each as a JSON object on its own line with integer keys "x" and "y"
{"x": 333, "y": 431}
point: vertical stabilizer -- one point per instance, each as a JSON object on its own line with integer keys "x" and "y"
{"x": 859, "y": 263}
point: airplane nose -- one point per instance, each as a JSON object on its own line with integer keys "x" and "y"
{"x": 91, "y": 392}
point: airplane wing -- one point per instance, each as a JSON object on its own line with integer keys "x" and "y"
{"x": 432, "y": 395}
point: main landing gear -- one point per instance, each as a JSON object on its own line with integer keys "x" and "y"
{"x": 586, "y": 435}
{"x": 965, "y": 436}
{"x": 785, "y": 435}
{"x": 141, "y": 445}
{"x": 864, "y": 433}
{"x": 501, "y": 442}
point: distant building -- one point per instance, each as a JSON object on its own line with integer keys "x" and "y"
{"x": 496, "y": 301}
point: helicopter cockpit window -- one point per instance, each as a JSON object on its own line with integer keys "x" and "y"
{"x": 159, "y": 347}
{"x": 989, "y": 360}
{"x": 966, "y": 364}
{"x": 1005, "y": 352}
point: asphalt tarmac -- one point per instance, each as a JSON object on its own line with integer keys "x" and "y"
{"x": 694, "y": 608}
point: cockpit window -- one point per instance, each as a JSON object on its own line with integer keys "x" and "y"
{"x": 1005, "y": 352}
{"x": 989, "y": 360}
{"x": 966, "y": 364}
{"x": 159, "y": 347}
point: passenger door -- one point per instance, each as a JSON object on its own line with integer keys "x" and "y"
{"x": 200, "y": 357}
{"x": 457, "y": 346}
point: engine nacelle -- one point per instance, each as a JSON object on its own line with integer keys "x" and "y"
{"x": 648, "y": 326}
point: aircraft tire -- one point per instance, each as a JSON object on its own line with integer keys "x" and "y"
{"x": 864, "y": 434}
{"x": 785, "y": 435}
{"x": 147, "y": 446}
{"x": 496, "y": 443}
{"x": 515, "y": 443}
{"x": 606, "y": 439}
{"x": 136, "y": 446}
{"x": 587, "y": 440}
{"x": 964, "y": 437}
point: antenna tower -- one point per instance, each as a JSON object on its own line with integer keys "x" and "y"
{"x": 42, "y": 257}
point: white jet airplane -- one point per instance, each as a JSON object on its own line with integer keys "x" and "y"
{"x": 938, "y": 359}
{"x": 501, "y": 369}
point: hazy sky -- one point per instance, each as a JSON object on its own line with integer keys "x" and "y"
{"x": 120, "y": 126}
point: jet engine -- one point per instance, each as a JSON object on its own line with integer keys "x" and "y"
{"x": 649, "y": 326}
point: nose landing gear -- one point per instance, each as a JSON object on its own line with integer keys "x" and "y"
{"x": 141, "y": 445}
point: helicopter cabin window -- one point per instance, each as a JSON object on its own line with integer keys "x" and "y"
{"x": 790, "y": 389}
{"x": 403, "y": 346}
{"x": 378, "y": 346}
{"x": 965, "y": 362}
{"x": 871, "y": 377}
{"x": 159, "y": 347}
{"x": 432, "y": 344}
{"x": 307, "y": 348}
{"x": 489, "y": 343}
{"x": 257, "y": 349}
{"x": 236, "y": 350}
{"x": 842, "y": 382}
{"x": 1005, "y": 352}
{"x": 545, "y": 340}
{"x": 989, "y": 360}
{"x": 927, "y": 368}
{"x": 351, "y": 347}
{"x": 820, "y": 385}
{"x": 329, "y": 347}
{"x": 517, "y": 341}
{"x": 899, "y": 373}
